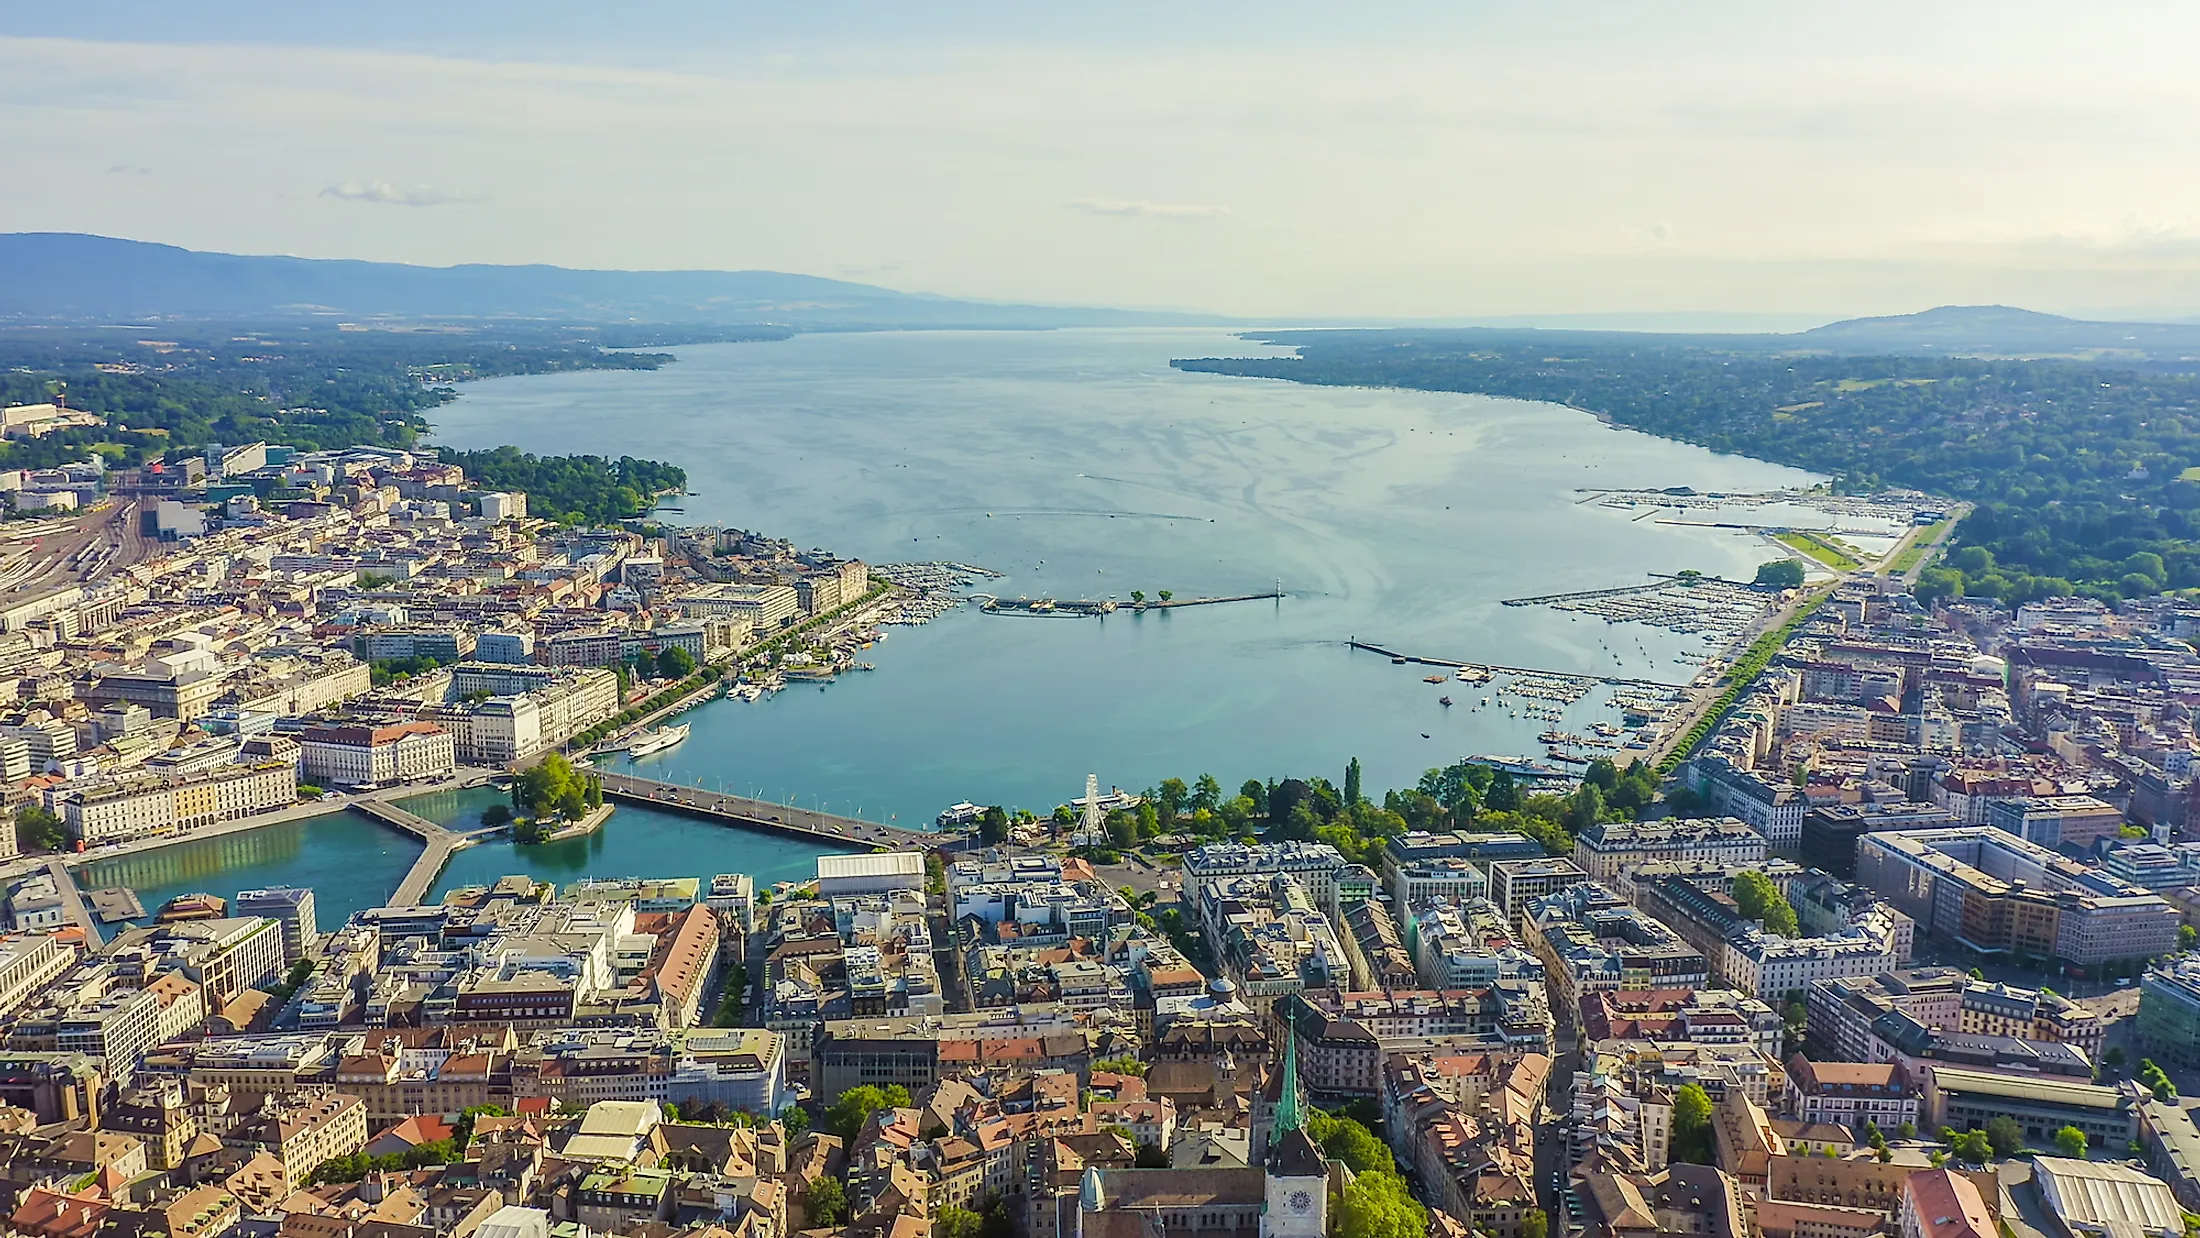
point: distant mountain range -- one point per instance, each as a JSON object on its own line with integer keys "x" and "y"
{"x": 71, "y": 276}
{"x": 2001, "y": 330}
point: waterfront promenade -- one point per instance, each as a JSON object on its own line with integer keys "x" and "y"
{"x": 763, "y": 814}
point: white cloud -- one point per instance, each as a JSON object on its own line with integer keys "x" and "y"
{"x": 399, "y": 195}
{"x": 1148, "y": 210}
{"x": 1692, "y": 157}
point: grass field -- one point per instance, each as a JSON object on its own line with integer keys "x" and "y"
{"x": 1915, "y": 550}
{"x": 1819, "y": 549}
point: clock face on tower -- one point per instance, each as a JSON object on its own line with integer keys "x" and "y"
{"x": 1300, "y": 1201}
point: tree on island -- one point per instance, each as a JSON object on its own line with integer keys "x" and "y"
{"x": 1780, "y": 574}
{"x": 554, "y": 789}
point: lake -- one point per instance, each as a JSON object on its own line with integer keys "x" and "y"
{"x": 1081, "y": 465}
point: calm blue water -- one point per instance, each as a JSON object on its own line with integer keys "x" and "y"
{"x": 349, "y": 861}
{"x": 635, "y": 842}
{"x": 1080, "y": 464}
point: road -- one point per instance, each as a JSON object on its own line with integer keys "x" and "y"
{"x": 1940, "y": 536}
{"x": 1701, "y": 699}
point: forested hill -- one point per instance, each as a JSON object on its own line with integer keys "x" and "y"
{"x": 321, "y": 387}
{"x": 2075, "y": 467}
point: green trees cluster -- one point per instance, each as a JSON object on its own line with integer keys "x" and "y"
{"x": 2071, "y": 1142}
{"x": 554, "y": 790}
{"x": 1378, "y": 1204}
{"x": 305, "y": 385}
{"x": 1692, "y": 1125}
{"x": 825, "y": 1204}
{"x": 851, "y": 1109}
{"x": 2001, "y": 1137}
{"x": 38, "y": 828}
{"x": 1349, "y": 1140}
{"x": 671, "y": 662}
{"x": 573, "y": 489}
{"x": 386, "y": 671}
{"x": 1759, "y": 898}
{"x": 2153, "y": 1079}
{"x": 2076, "y": 469}
{"x": 1780, "y": 574}
{"x": 1125, "y": 1065}
{"x": 634, "y": 713}
{"x": 1314, "y": 809}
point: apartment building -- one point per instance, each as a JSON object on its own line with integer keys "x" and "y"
{"x": 303, "y": 1129}
{"x": 1991, "y": 891}
{"x": 374, "y": 756}
{"x": 1850, "y": 1094}
{"x": 1604, "y": 851}
{"x": 118, "y": 809}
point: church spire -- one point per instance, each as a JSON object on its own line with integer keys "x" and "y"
{"x": 1289, "y": 1116}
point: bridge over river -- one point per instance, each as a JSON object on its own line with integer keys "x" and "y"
{"x": 439, "y": 842}
{"x": 765, "y": 815}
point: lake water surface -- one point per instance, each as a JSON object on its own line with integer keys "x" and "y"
{"x": 1080, "y": 464}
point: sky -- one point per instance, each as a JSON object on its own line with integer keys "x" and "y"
{"x": 1269, "y": 160}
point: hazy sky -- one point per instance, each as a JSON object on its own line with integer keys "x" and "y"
{"x": 1267, "y": 159}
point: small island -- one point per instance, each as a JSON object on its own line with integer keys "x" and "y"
{"x": 552, "y": 801}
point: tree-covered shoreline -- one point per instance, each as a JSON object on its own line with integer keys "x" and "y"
{"x": 2076, "y": 469}
{"x": 166, "y": 387}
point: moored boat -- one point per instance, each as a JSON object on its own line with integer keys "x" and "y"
{"x": 657, "y": 741}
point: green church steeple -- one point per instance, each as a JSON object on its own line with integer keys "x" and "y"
{"x": 1289, "y": 1116}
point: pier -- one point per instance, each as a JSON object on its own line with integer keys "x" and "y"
{"x": 765, "y": 815}
{"x": 1546, "y": 599}
{"x": 1395, "y": 656}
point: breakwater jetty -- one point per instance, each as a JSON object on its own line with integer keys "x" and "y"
{"x": 765, "y": 815}
{"x": 1082, "y": 607}
{"x": 1423, "y": 660}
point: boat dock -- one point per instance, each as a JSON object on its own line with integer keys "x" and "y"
{"x": 765, "y": 815}
{"x": 1418, "y": 659}
{"x": 116, "y": 904}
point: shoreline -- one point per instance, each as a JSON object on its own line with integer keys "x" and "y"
{"x": 469, "y": 778}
